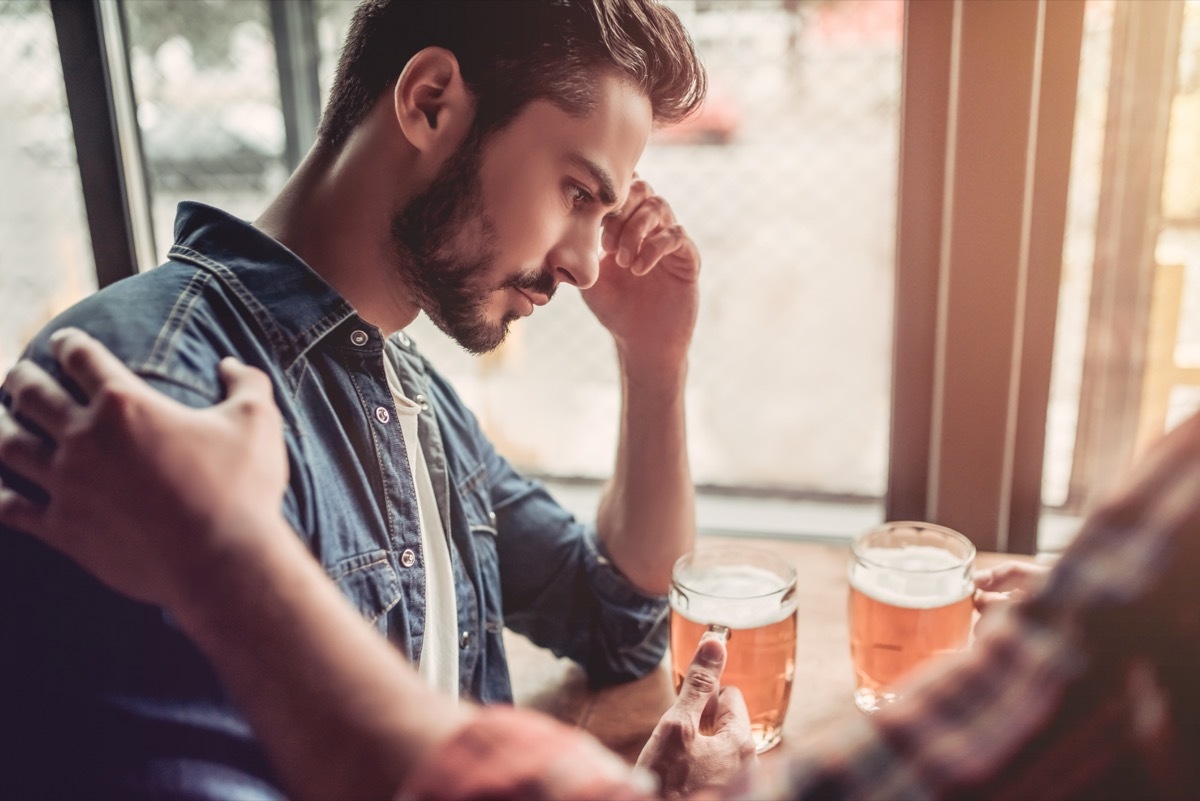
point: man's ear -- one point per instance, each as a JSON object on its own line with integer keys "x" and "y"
{"x": 433, "y": 106}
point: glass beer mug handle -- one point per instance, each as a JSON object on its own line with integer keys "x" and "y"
{"x": 723, "y": 632}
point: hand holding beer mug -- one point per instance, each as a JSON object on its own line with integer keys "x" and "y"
{"x": 746, "y": 595}
{"x": 910, "y": 599}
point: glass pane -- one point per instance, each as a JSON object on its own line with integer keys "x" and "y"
{"x": 1169, "y": 374}
{"x": 1179, "y": 241}
{"x": 1078, "y": 249}
{"x": 46, "y": 261}
{"x": 787, "y": 181}
{"x": 207, "y": 92}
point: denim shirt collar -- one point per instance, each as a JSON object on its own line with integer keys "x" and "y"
{"x": 294, "y": 305}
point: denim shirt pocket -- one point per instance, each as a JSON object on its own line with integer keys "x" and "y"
{"x": 371, "y": 584}
{"x": 481, "y": 523}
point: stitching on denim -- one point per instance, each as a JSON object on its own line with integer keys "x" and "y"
{"x": 322, "y": 327}
{"x": 472, "y": 479}
{"x": 288, "y": 351}
{"x": 393, "y": 535}
{"x": 275, "y": 334}
{"x": 173, "y": 325}
{"x": 204, "y": 390}
{"x": 383, "y": 560}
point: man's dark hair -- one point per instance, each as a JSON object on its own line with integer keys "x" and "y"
{"x": 513, "y": 51}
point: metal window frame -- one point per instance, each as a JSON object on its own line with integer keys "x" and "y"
{"x": 95, "y": 63}
{"x": 297, "y": 57}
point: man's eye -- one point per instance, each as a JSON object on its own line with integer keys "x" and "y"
{"x": 579, "y": 195}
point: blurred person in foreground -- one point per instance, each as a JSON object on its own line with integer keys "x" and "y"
{"x": 1086, "y": 688}
{"x": 473, "y": 157}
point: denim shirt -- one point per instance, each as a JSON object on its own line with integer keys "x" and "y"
{"x": 104, "y": 696}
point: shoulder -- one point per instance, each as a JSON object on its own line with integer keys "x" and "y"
{"x": 162, "y": 324}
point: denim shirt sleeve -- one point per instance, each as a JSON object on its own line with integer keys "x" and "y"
{"x": 561, "y": 590}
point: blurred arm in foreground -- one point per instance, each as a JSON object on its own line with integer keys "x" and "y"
{"x": 191, "y": 523}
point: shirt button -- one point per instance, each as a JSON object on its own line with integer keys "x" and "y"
{"x": 422, "y": 401}
{"x": 382, "y": 414}
{"x": 464, "y": 640}
{"x": 358, "y": 338}
{"x": 403, "y": 339}
{"x": 408, "y": 558}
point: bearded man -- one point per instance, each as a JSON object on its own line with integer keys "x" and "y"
{"x": 472, "y": 157}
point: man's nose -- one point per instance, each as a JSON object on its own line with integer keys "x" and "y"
{"x": 578, "y": 261}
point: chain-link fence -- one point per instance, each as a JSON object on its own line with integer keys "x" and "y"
{"x": 786, "y": 181}
{"x": 208, "y": 105}
{"x": 45, "y": 253}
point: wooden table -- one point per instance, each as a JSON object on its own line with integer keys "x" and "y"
{"x": 622, "y": 717}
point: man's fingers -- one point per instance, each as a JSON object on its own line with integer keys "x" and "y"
{"x": 656, "y": 246}
{"x": 22, "y": 451}
{"x": 639, "y": 190}
{"x": 732, "y": 713}
{"x": 989, "y": 600}
{"x": 650, "y": 216}
{"x": 86, "y": 361}
{"x": 38, "y": 398}
{"x": 1011, "y": 576}
{"x": 20, "y": 513}
{"x": 703, "y": 678}
{"x": 243, "y": 382}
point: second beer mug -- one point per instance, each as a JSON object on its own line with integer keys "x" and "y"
{"x": 748, "y": 595}
{"x": 910, "y": 599}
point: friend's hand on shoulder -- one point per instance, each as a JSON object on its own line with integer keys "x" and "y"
{"x": 704, "y": 739}
{"x": 142, "y": 491}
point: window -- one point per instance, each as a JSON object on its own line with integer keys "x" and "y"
{"x": 950, "y": 248}
{"x": 46, "y": 261}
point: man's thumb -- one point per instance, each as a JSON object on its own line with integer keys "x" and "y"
{"x": 703, "y": 678}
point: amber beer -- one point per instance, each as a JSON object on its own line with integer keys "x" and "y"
{"x": 748, "y": 596}
{"x": 910, "y": 600}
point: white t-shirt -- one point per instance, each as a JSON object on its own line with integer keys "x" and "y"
{"x": 439, "y": 654}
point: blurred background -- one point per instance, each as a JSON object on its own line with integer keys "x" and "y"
{"x": 787, "y": 180}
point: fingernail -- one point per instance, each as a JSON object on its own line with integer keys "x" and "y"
{"x": 623, "y": 257}
{"x": 711, "y": 650}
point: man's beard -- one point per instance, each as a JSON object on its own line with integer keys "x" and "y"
{"x": 448, "y": 284}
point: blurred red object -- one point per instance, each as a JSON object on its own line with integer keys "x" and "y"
{"x": 716, "y": 123}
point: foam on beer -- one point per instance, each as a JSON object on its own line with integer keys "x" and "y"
{"x": 732, "y": 595}
{"x": 935, "y": 583}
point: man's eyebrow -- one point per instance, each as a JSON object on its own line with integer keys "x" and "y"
{"x": 608, "y": 188}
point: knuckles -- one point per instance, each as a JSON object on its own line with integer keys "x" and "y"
{"x": 73, "y": 357}
{"x": 677, "y": 730}
{"x": 702, "y": 680}
{"x": 24, "y": 393}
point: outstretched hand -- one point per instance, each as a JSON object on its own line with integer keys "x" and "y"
{"x": 138, "y": 485}
{"x": 704, "y": 739}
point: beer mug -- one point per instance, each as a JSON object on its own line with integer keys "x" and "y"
{"x": 911, "y": 592}
{"x": 746, "y": 595}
